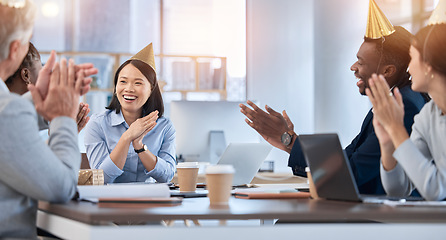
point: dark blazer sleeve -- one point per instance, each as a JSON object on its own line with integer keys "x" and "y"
{"x": 297, "y": 160}
{"x": 364, "y": 159}
{"x": 410, "y": 110}
{"x": 370, "y": 150}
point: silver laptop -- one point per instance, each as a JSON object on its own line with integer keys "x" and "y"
{"x": 246, "y": 159}
{"x": 330, "y": 169}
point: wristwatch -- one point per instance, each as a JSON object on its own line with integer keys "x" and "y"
{"x": 144, "y": 147}
{"x": 287, "y": 138}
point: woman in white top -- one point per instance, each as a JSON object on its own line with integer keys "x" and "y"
{"x": 418, "y": 162}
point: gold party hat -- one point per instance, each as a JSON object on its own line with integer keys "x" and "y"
{"x": 378, "y": 25}
{"x": 146, "y": 55}
{"x": 439, "y": 14}
{"x": 13, "y": 3}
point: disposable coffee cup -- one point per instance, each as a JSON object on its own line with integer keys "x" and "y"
{"x": 219, "y": 183}
{"x": 313, "y": 192}
{"x": 187, "y": 176}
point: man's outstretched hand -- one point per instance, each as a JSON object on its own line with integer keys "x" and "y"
{"x": 270, "y": 124}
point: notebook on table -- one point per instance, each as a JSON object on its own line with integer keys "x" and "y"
{"x": 196, "y": 194}
{"x": 331, "y": 171}
{"x": 271, "y": 195}
{"x": 138, "y": 202}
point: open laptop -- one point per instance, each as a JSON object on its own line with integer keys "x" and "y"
{"x": 330, "y": 169}
{"x": 246, "y": 159}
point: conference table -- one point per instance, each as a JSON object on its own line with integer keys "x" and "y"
{"x": 304, "y": 217}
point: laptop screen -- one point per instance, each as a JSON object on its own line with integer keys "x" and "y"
{"x": 246, "y": 159}
{"x": 330, "y": 168}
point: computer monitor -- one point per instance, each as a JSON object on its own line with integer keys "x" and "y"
{"x": 197, "y": 122}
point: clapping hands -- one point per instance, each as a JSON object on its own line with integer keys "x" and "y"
{"x": 388, "y": 118}
{"x": 62, "y": 93}
{"x": 270, "y": 124}
{"x": 139, "y": 128}
{"x": 82, "y": 74}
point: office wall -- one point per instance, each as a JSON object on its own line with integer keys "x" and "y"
{"x": 280, "y": 62}
{"x": 299, "y": 54}
{"x": 339, "y": 28}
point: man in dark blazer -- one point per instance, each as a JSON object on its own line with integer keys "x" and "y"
{"x": 389, "y": 58}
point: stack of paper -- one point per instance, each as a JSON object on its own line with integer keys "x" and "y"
{"x": 93, "y": 193}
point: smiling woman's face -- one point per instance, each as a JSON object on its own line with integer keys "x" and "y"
{"x": 418, "y": 70}
{"x": 132, "y": 89}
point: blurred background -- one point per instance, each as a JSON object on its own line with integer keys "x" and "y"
{"x": 289, "y": 54}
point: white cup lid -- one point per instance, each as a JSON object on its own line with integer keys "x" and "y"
{"x": 220, "y": 169}
{"x": 187, "y": 165}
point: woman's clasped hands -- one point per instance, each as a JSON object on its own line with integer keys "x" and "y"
{"x": 139, "y": 128}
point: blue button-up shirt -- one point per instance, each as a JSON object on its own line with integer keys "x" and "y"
{"x": 103, "y": 132}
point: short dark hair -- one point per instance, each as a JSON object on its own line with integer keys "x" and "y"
{"x": 154, "y": 102}
{"x": 394, "y": 49}
{"x": 27, "y": 62}
{"x": 430, "y": 43}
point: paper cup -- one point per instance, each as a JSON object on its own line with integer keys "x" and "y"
{"x": 219, "y": 183}
{"x": 187, "y": 176}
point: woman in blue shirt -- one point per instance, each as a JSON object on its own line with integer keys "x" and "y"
{"x": 132, "y": 141}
